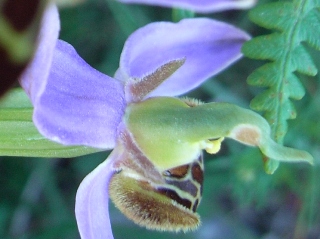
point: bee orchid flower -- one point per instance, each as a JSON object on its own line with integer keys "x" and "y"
{"x": 155, "y": 137}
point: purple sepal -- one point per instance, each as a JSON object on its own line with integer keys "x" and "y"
{"x": 79, "y": 105}
{"x": 208, "y": 46}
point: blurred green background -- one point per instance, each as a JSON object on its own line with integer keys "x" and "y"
{"x": 239, "y": 199}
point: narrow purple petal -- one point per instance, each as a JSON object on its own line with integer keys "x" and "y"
{"x": 208, "y": 46}
{"x": 203, "y": 6}
{"x": 92, "y": 202}
{"x": 33, "y": 78}
{"x": 78, "y": 105}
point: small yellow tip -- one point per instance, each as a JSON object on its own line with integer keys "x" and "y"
{"x": 213, "y": 146}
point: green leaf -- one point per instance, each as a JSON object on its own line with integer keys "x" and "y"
{"x": 19, "y": 136}
{"x": 269, "y": 47}
{"x": 293, "y": 23}
{"x": 312, "y": 32}
{"x": 273, "y": 16}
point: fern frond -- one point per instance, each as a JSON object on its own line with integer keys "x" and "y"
{"x": 292, "y": 23}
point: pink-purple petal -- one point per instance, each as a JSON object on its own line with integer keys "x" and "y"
{"x": 202, "y": 6}
{"x": 78, "y": 105}
{"x": 92, "y": 197}
{"x": 33, "y": 79}
{"x": 208, "y": 46}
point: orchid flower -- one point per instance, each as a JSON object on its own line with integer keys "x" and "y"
{"x": 155, "y": 136}
{"x": 201, "y": 6}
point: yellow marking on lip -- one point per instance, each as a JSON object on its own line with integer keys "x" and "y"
{"x": 213, "y": 146}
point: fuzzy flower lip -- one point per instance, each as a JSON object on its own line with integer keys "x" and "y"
{"x": 75, "y": 104}
{"x": 201, "y": 6}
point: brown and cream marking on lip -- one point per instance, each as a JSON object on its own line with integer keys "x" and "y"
{"x": 165, "y": 201}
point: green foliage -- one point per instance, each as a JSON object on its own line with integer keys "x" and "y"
{"x": 19, "y": 136}
{"x": 293, "y": 23}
